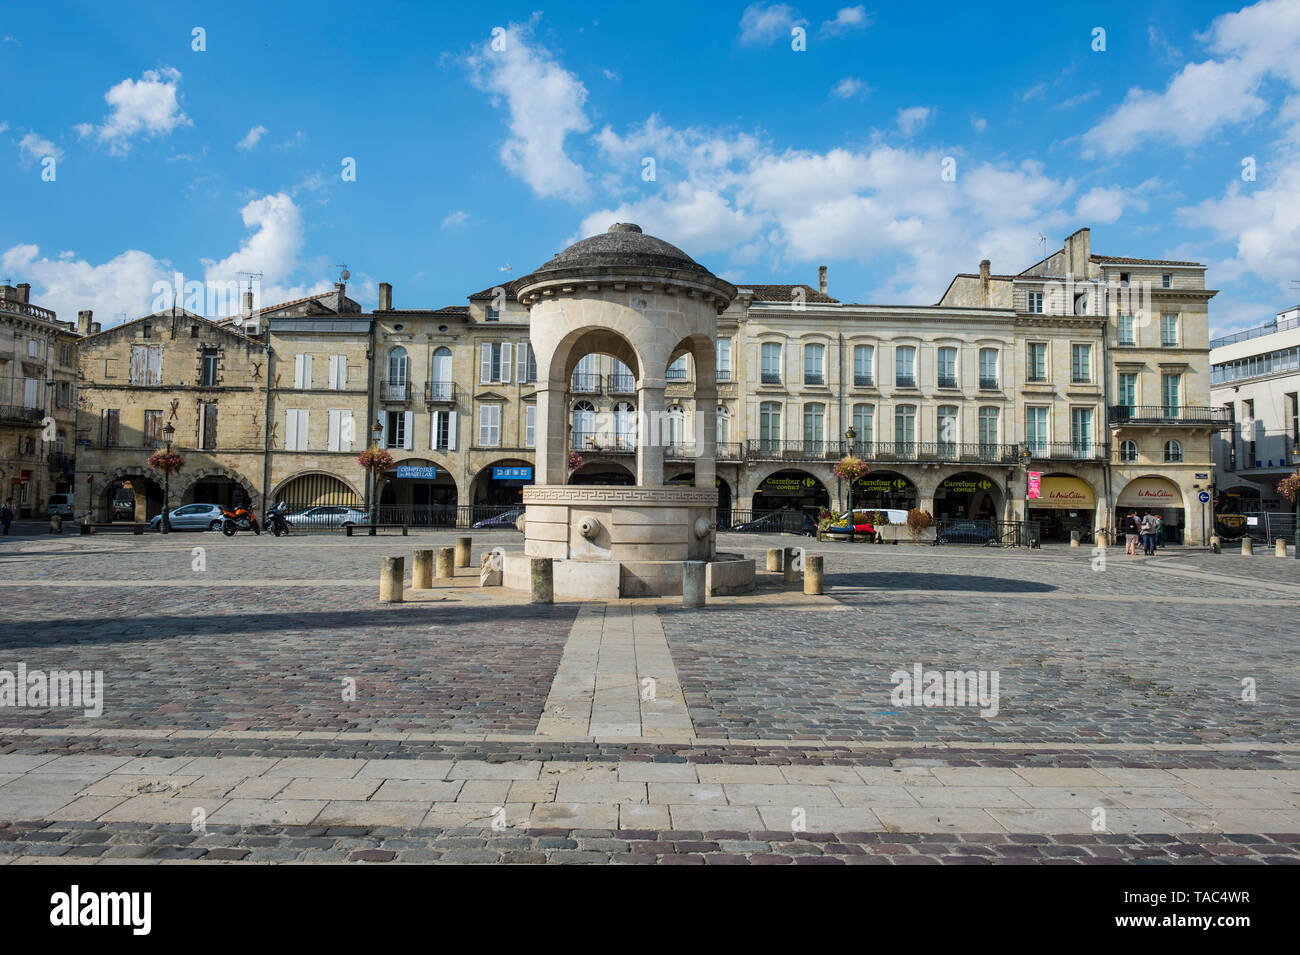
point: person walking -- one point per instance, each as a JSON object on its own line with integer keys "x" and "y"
{"x": 7, "y": 514}
{"x": 1148, "y": 528}
{"x": 1158, "y": 533}
{"x": 1131, "y": 532}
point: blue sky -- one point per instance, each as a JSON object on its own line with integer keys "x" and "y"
{"x": 767, "y": 161}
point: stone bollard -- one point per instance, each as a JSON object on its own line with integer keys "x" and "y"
{"x": 692, "y": 583}
{"x": 390, "y": 580}
{"x": 446, "y": 563}
{"x": 422, "y": 571}
{"x": 790, "y": 565}
{"x": 1279, "y": 548}
{"x": 1247, "y": 547}
{"x": 462, "y": 551}
{"x": 541, "y": 581}
{"x": 56, "y": 523}
{"x": 1074, "y": 538}
{"x": 1216, "y": 544}
{"x": 774, "y": 558}
{"x": 813, "y": 579}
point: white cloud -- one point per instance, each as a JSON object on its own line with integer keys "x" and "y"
{"x": 847, "y": 20}
{"x": 1036, "y": 92}
{"x": 297, "y": 139}
{"x": 68, "y": 284}
{"x": 4, "y": 127}
{"x": 979, "y": 123}
{"x": 148, "y": 106}
{"x": 913, "y": 119}
{"x": 1250, "y": 46}
{"x": 612, "y": 75}
{"x": 545, "y": 104}
{"x": 272, "y": 249}
{"x": 35, "y": 148}
{"x": 762, "y": 24}
{"x": 1074, "y": 101}
{"x": 848, "y": 87}
{"x": 251, "y": 137}
{"x": 698, "y": 219}
{"x": 455, "y": 218}
{"x": 1103, "y": 205}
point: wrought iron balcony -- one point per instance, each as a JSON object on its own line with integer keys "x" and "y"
{"x": 586, "y": 384}
{"x": 723, "y": 374}
{"x": 947, "y": 381}
{"x": 602, "y": 442}
{"x": 676, "y": 374}
{"x": 988, "y": 384}
{"x": 396, "y": 390}
{"x": 905, "y": 381}
{"x": 439, "y": 392}
{"x": 814, "y": 378}
{"x": 901, "y": 451}
{"x": 622, "y": 384}
{"x": 1167, "y": 415}
{"x": 1069, "y": 451}
{"x": 20, "y": 415}
{"x": 863, "y": 381}
{"x": 771, "y": 378}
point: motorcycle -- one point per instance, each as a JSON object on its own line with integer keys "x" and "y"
{"x": 240, "y": 519}
{"x": 276, "y": 522}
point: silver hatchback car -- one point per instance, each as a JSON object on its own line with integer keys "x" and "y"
{"x": 192, "y": 517}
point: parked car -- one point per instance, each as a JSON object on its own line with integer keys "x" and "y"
{"x": 328, "y": 515}
{"x": 59, "y": 504}
{"x": 968, "y": 532}
{"x": 779, "y": 522}
{"x": 123, "y": 509}
{"x": 506, "y": 520}
{"x": 862, "y": 526}
{"x": 191, "y": 517}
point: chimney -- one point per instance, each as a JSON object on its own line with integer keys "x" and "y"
{"x": 96, "y": 328}
{"x": 83, "y": 322}
{"x": 1078, "y": 249}
{"x": 340, "y": 289}
{"x": 821, "y": 278}
{"x": 248, "y": 304}
{"x": 985, "y": 270}
{"x": 24, "y": 293}
{"x": 385, "y": 297}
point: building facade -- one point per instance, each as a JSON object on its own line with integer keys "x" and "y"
{"x": 38, "y": 395}
{"x": 1255, "y": 379}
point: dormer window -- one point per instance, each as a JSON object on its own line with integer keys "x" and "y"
{"x": 148, "y": 331}
{"x": 493, "y": 314}
{"x": 1123, "y": 279}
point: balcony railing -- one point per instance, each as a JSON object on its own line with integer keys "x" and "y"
{"x": 676, "y": 374}
{"x": 397, "y": 390}
{"x": 21, "y": 415}
{"x": 622, "y": 384}
{"x": 586, "y": 384}
{"x": 902, "y": 451}
{"x": 723, "y": 374}
{"x": 439, "y": 392}
{"x": 988, "y": 384}
{"x": 947, "y": 381}
{"x": 24, "y": 308}
{"x": 60, "y": 461}
{"x": 1069, "y": 451}
{"x": 771, "y": 377}
{"x": 905, "y": 381}
{"x": 1167, "y": 415}
{"x": 814, "y": 378}
{"x": 862, "y": 381}
{"x": 605, "y": 442}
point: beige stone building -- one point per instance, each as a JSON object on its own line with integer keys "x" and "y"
{"x": 38, "y": 355}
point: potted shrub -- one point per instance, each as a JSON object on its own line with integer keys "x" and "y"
{"x": 917, "y": 522}
{"x": 825, "y": 518}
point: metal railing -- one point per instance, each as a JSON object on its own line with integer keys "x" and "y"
{"x": 1166, "y": 414}
{"x": 782, "y": 521}
{"x": 1277, "y": 325}
{"x": 988, "y": 384}
{"x": 604, "y": 442}
{"x": 1069, "y": 451}
{"x": 903, "y": 451}
{"x": 622, "y": 384}
{"x": 20, "y": 414}
{"x": 722, "y": 374}
{"x": 1269, "y": 526}
{"x": 905, "y": 381}
{"x": 586, "y": 383}
{"x": 947, "y": 381}
{"x": 985, "y": 533}
{"x": 436, "y": 391}
{"x": 397, "y": 390}
{"x": 676, "y": 374}
{"x": 813, "y": 378}
{"x": 770, "y": 377}
{"x": 331, "y": 519}
{"x": 863, "y": 381}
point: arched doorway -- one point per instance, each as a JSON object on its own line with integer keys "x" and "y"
{"x": 1065, "y": 503}
{"x": 315, "y": 489}
{"x": 884, "y": 490}
{"x": 133, "y": 497}
{"x": 968, "y": 495}
{"x": 418, "y": 492}
{"x": 791, "y": 488}
{"x": 603, "y": 472}
{"x": 1158, "y": 496}
{"x": 501, "y": 483}
{"x": 216, "y": 489}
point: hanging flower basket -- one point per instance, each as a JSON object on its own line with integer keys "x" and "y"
{"x": 166, "y": 462}
{"x": 375, "y": 460}
{"x": 575, "y": 461}
{"x": 1289, "y": 486}
{"x": 850, "y": 468}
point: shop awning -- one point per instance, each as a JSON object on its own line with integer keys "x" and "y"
{"x": 1064, "y": 493}
{"x": 1151, "y": 492}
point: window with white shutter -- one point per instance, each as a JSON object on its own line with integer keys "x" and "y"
{"x": 338, "y": 379}
{"x": 485, "y": 363}
{"x": 408, "y": 429}
{"x": 302, "y": 371}
{"x": 340, "y": 430}
{"x": 295, "y": 430}
{"x": 521, "y": 362}
{"x": 505, "y": 361}
{"x": 489, "y": 426}
{"x": 530, "y": 426}
{"x": 451, "y": 430}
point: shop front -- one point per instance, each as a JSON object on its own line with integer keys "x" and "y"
{"x": 884, "y": 490}
{"x": 969, "y": 495}
{"x": 792, "y": 489}
{"x": 421, "y": 493}
{"x": 502, "y": 483}
{"x": 1157, "y": 496}
{"x": 1065, "y": 503}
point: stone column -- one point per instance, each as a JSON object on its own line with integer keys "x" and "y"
{"x": 650, "y": 448}
{"x": 463, "y": 545}
{"x": 391, "y": 577}
{"x": 706, "y": 436}
{"x": 552, "y": 437}
{"x": 422, "y": 574}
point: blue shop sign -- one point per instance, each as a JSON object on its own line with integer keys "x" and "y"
{"x": 512, "y": 474}
{"x": 418, "y": 472}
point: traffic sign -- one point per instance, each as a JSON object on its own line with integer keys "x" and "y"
{"x": 1204, "y": 497}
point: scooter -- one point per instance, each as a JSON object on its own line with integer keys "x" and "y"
{"x": 275, "y": 520}
{"x": 240, "y": 519}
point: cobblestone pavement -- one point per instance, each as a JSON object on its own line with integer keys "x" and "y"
{"x": 1117, "y": 690}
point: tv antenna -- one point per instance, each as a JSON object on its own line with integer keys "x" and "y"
{"x": 505, "y": 268}
{"x": 1042, "y": 240}
{"x": 344, "y": 275}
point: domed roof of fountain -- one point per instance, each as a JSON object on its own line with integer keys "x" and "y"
{"x": 623, "y": 246}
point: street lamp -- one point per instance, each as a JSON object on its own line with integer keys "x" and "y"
{"x": 1295, "y": 459}
{"x": 372, "y": 479}
{"x": 1025, "y": 459}
{"x": 169, "y": 432}
{"x": 851, "y": 437}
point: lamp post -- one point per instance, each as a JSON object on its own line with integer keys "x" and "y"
{"x": 851, "y": 436}
{"x": 372, "y": 479}
{"x": 1025, "y": 459}
{"x": 1295, "y": 536}
{"x": 166, "y": 525}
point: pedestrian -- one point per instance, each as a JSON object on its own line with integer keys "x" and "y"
{"x": 1131, "y": 532}
{"x": 7, "y": 514}
{"x": 1159, "y": 533}
{"x": 1148, "y": 528}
